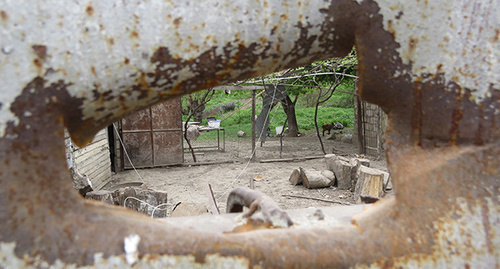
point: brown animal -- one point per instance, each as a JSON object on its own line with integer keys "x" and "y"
{"x": 327, "y": 127}
{"x": 255, "y": 200}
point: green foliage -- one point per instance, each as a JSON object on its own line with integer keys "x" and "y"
{"x": 342, "y": 97}
{"x": 241, "y": 120}
{"x": 316, "y": 74}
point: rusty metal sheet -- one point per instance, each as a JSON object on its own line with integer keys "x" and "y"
{"x": 139, "y": 149}
{"x": 167, "y": 132}
{"x": 432, "y": 66}
{"x": 153, "y": 136}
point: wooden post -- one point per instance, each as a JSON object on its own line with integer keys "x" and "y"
{"x": 211, "y": 200}
{"x": 360, "y": 118}
{"x": 253, "y": 125}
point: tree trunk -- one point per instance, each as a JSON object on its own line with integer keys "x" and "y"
{"x": 289, "y": 108}
{"x": 196, "y": 108}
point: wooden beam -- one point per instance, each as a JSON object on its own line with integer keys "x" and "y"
{"x": 237, "y": 88}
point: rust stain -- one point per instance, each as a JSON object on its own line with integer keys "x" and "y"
{"x": 177, "y": 21}
{"x": 38, "y": 63}
{"x": 111, "y": 41}
{"x": 252, "y": 225}
{"x": 457, "y": 116}
{"x": 126, "y": 61}
{"x": 413, "y": 43}
{"x": 92, "y": 69}
{"x": 416, "y": 122}
{"x": 4, "y": 15}
{"x": 390, "y": 27}
{"x": 394, "y": 234}
{"x": 40, "y": 51}
{"x": 194, "y": 46}
{"x": 89, "y": 10}
{"x": 284, "y": 17}
{"x": 134, "y": 34}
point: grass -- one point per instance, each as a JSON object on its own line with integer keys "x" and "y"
{"x": 341, "y": 104}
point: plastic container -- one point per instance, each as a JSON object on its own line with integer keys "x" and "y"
{"x": 214, "y": 124}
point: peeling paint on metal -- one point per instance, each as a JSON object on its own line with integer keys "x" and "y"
{"x": 8, "y": 259}
{"x": 84, "y": 41}
{"x": 459, "y": 39}
{"x": 442, "y": 143}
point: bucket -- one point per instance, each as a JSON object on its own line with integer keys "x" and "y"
{"x": 279, "y": 130}
{"x": 214, "y": 124}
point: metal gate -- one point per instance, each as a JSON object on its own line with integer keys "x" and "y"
{"x": 153, "y": 136}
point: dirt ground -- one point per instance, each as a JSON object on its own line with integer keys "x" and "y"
{"x": 188, "y": 184}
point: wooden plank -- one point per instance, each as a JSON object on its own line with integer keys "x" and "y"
{"x": 281, "y": 160}
{"x": 237, "y": 88}
{"x": 292, "y": 159}
{"x": 317, "y": 199}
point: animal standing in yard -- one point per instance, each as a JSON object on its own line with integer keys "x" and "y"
{"x": 82, "y": 65}
{"x": 327, "y": 127}
{"x": 334, "y": 125}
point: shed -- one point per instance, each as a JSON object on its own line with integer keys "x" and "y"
{"x": 151, "y": 137}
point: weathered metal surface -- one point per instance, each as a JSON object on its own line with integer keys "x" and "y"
{"x": 153, "y": 136}
{"x": 431, "y": 65}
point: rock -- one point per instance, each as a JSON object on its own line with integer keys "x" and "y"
{"x": 100, "y": 195}
{"x": 137, "y": 198}
{"x": 347, "y": 138}
{"x": 338, "y": 126}
{"x": 228, "y": 106}
{"x": 192, "y": 132}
